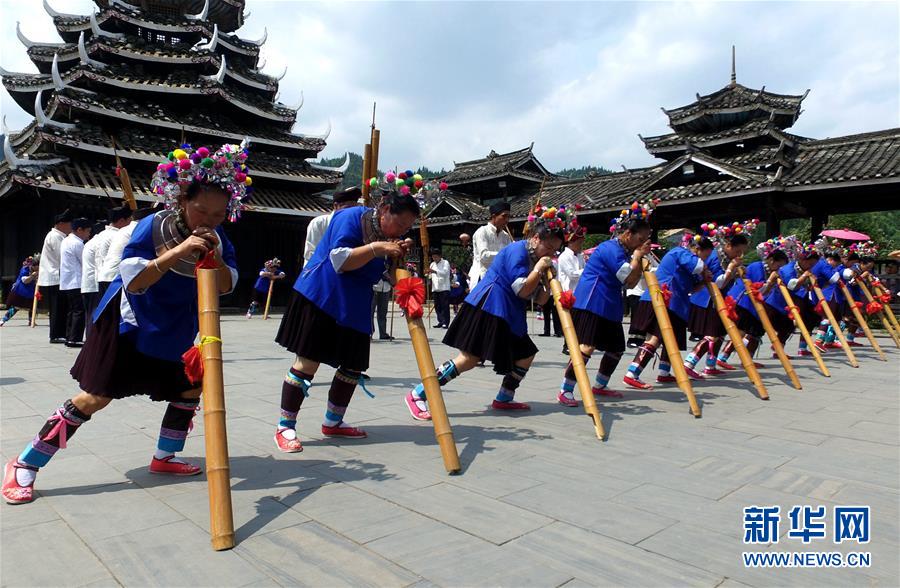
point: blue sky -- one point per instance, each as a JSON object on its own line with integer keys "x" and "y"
{"x": 454, "y": 80}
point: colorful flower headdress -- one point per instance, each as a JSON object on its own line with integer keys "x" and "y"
{"x": 716, "y": 233}
{"x": 225, "y": 168}
{"x": 788, "y": 244}
{"x": 641, "y": 210}
{"x": 575, "y": 230}
{"x": 408, "y": 182}
{"x": 865, "y": 249}
{"x": 807, "y": 250}
{"x": 274, "y": 262}
{"x": 32, "y": 260}
{"x": 555, "y": 219}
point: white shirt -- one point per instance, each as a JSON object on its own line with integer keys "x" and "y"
{"x": 314, "y": 232}
{"x": 70, "y": 262}
{"x": 440, "y": 276}
{"x": 101, "y": 249}
{"x": 641, "y": 286}
{"x": 382, "y": 286}
{"x": 49, "y": 265}
{"x": 486, "y": 244}
{"x": 89, "y": 266}
{"x": 117, "y": 243}
{"x": 571, "y": 266}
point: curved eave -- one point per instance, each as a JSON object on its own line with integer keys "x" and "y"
{"x": 178, "y": 126}
{"x": 789, "y": 113}
{"x": 674, "y": 146}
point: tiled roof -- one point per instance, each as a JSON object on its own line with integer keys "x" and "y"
{"x": 737, "y": 96}
{"x": 867, "y": 156}
{"x": 495, "y": 164}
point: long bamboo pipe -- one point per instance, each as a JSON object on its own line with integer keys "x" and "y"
{"x": 439, "y": 419}
{"x": 34, "y": 307}
{"x": 863, "y": 323}
{"x": 737, "y": 341}
{"x": 851, "y": 357}
{"x": 268, "y": 299}
{"x": 668, "y": 337}
{"x": 221, "y": 520}
{"x": 884, "y": 319}
{"x": 801, "y": 326}
{"x": 581, "y": 375}
{"x": 887, "y": 305}
{"x": 770, "y": 332}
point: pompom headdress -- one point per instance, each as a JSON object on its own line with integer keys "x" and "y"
{"x": 865, "y": 249}
{"x": 274, "y": 262}
{"x": 225, "y": 168}
{"x": 555, "y": 219}
{"x": 787, "y": 244}
{"x": 410, "y": 183}
{"x": 641, "y": 210}
{"x": 807, "y": 250}
{"x": 718, "y": 233}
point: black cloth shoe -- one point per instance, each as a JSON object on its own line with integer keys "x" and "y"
{"x": 544, "y": 335}
{"x": 57, "y": 340}
{"x": 386, "y": 338}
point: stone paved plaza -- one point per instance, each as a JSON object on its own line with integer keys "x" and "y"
{"x": 540, "y": 501}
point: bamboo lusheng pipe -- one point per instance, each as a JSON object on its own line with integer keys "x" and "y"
{"x": 737, "y": 341}
{"x": 668, "y": 337}
{"x": 884, "y": 319}
{"x": 268, "y": 299}
{"x": 771, "y": 333}
{"x": 863, "y": 323}
{"x": 851, "y": 357}
{"x": 439, "y": 419}
{"x": 887, "y": 305}
{"x": 124, "y": 179}
{"x": 367, "y": 173}
{"x": 34, "y": 307}
{"x": 221, "y": 520}
{"x": 801, "y": 326}
{"x": 581, "y": 375}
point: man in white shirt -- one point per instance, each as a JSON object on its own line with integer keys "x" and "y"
{"x": 316, "y": 228}
{"x": 48, "y": 275}
{"x": 488, "y": 241}
{"x": 119, "y": 218}
{"x": 70, "y": 279}
{"x": 439, "y": 270}
{"x": 90, "y": 295}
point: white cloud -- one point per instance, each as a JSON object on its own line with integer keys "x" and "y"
{"x": 455, "y": 80}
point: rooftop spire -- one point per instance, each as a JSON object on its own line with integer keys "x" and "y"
{"x": 733, "y": 72}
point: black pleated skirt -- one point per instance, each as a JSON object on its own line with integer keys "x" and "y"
{"x": 748, "y": 323}
{"x": 13, "y": 299}
{"x": 645, "y": 320}
{"x": 488, "y": 337}
{"x": 308, "y": 331}
{"x": 706, "y": 321}
{"x": 110, "y": 365}
{"x": 598, "y": 332}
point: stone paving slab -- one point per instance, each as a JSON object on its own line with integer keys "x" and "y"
{"x": 540, "y": 501}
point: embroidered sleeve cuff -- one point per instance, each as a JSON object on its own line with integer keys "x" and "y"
{"x": 698, "y": 269}
{"x": 624, "y": 272}
{"x": 339, "y": 257}
{"x": 130, "y": 268}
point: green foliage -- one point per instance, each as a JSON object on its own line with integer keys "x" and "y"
{"x": 594, "y": 239}
{"x": 583, "y": 171}
{"x": 882, "y": 227}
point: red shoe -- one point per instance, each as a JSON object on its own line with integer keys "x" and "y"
{"x": 345, "y": 431}
{"x": 758, "y": 365}
{"x": 854, "y": 344}
{"x": 497, "y": 405}
{"x": 821, "y": 346}
{"x": 665, "y": 379}
{"x": 416, "y": 412}
{"x": 173, "y": 468}
{"x": 636, "y": 383}
{"x": 566, "y": 401}
{"x": 286, "y": 445}
{"x": 693, "y": 374}
{"x": 713, "y": 372}
{"x": 12, "y": 492}
{"x": 833, "y": 345}
{"x": 805, "y": 353}
{"x": 725, "y": 365}
{"x": 607, "y": 392}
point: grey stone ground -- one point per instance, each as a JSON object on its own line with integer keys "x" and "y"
{"x": 541, "y": 502}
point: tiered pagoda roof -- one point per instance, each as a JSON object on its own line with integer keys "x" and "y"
{"x": 481, "y": 177}
{"x": 137, "y": 78}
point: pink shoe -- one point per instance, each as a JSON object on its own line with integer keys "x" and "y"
{"x": 693, "y": 374}
{"x": 804, "y": 353}
{"x": 833, "y": 345}
{"x": 725, "y": 365}
{"x": 758, "y": 365}
{"x": 173, "y": 468}
{"x": 286, "y": 445}
{"x": 566, "y": 401}
{"x": 12, "y": 492}
{"x": 665, "y": 379}
{"x": 497, "y": 405}
{"x": 607, "y": 392}
{"x": 713, "y": 372}
{"x": 343, "y": 431}
{"x": 416, "y": 412}
{"x": 854, "y": 344}
{"x": 636, "y": 383}
{"x": 821, "y": 346}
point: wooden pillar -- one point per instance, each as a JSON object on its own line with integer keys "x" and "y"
{"x": 817, "y": 225}
{"x": 773, "y": 221}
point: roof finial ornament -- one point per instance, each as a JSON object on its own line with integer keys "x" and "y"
{"x": 43, "y": 120}
{"x": 733, "y": 70}
{"x": 339, "y": 169}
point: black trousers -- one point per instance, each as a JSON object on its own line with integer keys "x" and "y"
{"x": 632, "y": 302}
{"x": 90, "y": 300}
{"x": 102, "y": 286}
{"x": 58, "y": 307}
{"x": 549, "y": 310}
{"x": 442, "y": 307}
{"x": 74, "y": 316}
{"x": 380, "y": 302}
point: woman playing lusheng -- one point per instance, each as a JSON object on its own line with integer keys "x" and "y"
{"x": 491, "y": 323}
{"x": 21, "y": 295}
{"x": 148, "y": 318}
{"x": 329, "y": 318}
{"x": 597, "y": 313}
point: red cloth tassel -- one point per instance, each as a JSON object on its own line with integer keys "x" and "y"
{"x": 38, "y": 295}
{"x": 819, "y": 308}
{"x": 193, "y": 364}
{"x": 874, "y": 307}
{"x": 858, "y": 305}
{"x": 666, "y": 294}
{"x": 411, "y": 296}
{"x": 730, "y": 312}
{"x": 567, "y": 299}
{"x": 755, "y": 288}
{"x": 208, "y": 261}
{"x": 886, "y": 298}
{"x": 792, "y": 312}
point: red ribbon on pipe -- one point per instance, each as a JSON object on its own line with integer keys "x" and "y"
{"x": 411, "y": 296}
{"x": 874, "y": 307}
{"x": 819, "y": 309}
{"x": 755, "y": 288}
{"x": 666, "y": 294}
{"x": 793, "y": 312}
{"x": 886, "y": 298}
{"x": 567, "y": 299}
{"x": 730, "y": 312}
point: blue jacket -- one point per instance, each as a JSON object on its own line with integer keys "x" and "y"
{"x": 494, "y": 292}
{"x": 599, "y": 289}
{"x": 681, "y": 270}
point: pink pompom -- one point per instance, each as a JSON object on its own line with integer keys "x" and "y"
{"x": 444, "y": 186}
{"x": 161, "y": 167}
{"x": 169, "y": 166}
{"x": 240, "y": 177}
{"x": 184, "y": 163}
{"x": 390, "y": 177}
{"x": 404, "y": 190}
{"x": 203, "y": 152}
